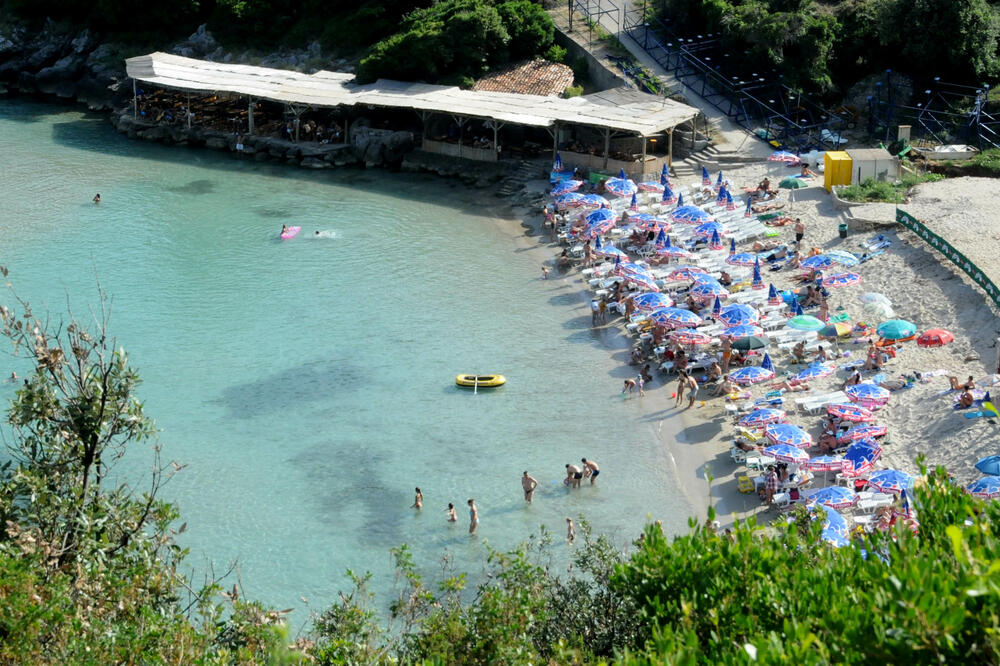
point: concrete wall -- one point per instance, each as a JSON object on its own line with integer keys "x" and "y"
{"x": 601, "y": 78}
{"x": 636, "y": 171}
{"x": 458, "y": 150}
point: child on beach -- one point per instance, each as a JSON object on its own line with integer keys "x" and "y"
{"x": 641, "y": 383}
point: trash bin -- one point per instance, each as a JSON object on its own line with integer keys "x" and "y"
{"x": 842, "y": 228}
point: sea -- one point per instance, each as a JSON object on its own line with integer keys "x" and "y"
{"x": 307, "y": 386}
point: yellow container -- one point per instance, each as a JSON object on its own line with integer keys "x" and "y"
{"x": 837, "y": 167}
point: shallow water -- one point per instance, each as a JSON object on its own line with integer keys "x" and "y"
{"x": 309, "y": 384}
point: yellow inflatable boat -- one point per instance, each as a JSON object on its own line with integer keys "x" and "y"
{"x": 480, "y": 381}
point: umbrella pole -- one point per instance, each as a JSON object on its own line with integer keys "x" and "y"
{"x": 475, "y": 385}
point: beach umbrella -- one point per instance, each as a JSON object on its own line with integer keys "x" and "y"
{"x": 677, "y": 317}
{"x": 673, "y": 251}
{"x": 708, "y": 229}
{"x": 786, "y": 433}
{"x": 867, "y": 394}
{"x": 644, "y": 280}
{"x": 650, "y": 186}
{"x": 791, "y": 183}
{"x": 600, "y": 215}
{"x": 634, "y": 204}
{"x": 825, "y": 464}
{"x": 745, "y": 314}
{"x": 652, "y": 301}
{"x": 847, "y": 259}
{"x": 989, "y": 465}
{"x": 772, "y": 295}
{"x": 620, "y": 187}
{"x": 571, "y": 200}
{"x": 860, "y": 457}
{"x": 690, "y": 336}
{"x": 566, "y": 186}
{"x": 680, "y": 273}
{"x": 936, "y": 337}
{"x": 688, "y": 214}
{"x": 705, "y": 178}
{"x": 864, "y": 431}
{"x": 896, "y": 329}
{"x": 742, "y": 331}
{"x": 759, "y": 418}
{"x": 630, "y": 267}
{"x": 715, "y": 243}
{"x": 756, "y": 282}
{"x": 751, "y": 374}
{"x": 610, "y": 251}
{"x": 597, "y": 229}
{"x": 876, "y": 312}
{"x": 621, "y": 173}
{"x": 664, "y": 180}
{"x": 784, "y": 156}
{"x": 797, "y": 309}
{"x": 593, "y": 201}
{"x": 661, "y": 237}
{"x": 835, "y": 497}
{"x": 875, "y": 297}
{"x": 850, "y": 412}
{"x": 835, "y": 530}
{"x": 645, "y": 220}
{"x": 841, "y": 280}
{"x": 741, "y": 259}
{"x": 749, "y": 342}
{"x": 805, "y": 323}
{"x": 680, "y": 199}
{"x": 716, "y": 308}
{"x": 987, "y": 487}
{"x": 820, "y": 261}
{"x": 813, "y": 372}
{"x": 890, "y": 481}
{"x": 718, "y": 181}
{"x": 720, "y": 198}
{"x": 730, "y": 204}
{"x": 786, "y": 453}
{"x": 835, "y": 330}
{"x": 705, "y": 290}
{"x": 664, "y": 173}
{"x": 705, "y": 278}
{"x": 557, "y": 165}
{"x": 766, "y": 363}
{"x": 668, "y": 196}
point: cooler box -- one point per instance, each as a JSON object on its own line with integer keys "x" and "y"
{"x": 836, "y": 169}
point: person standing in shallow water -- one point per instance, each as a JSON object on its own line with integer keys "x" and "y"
{"x": 473, "y": 516}
{"x": 418, "y": 500}
{"x": 528, "y": 483}
{"x": 452, "y": 518}
{"x": 570, "y": 530}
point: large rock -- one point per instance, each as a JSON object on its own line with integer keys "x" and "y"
{"x": 200, "y": 44}
{"x": 60, "y": 79}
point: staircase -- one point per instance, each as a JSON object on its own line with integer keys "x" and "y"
{"x": 522, "y": 173}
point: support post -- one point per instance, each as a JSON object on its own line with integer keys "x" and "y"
{"x": 670, "y": 149}
{"x": 555, "y": 140}
{"x": 135, "y": 101}
{"x": 496, "y": 147}
{"x": 642, "y": 164}
{"x": 607, "y": 146}
{"x": 569, "y": 9}
{"x": 250, "y": 116}
{"x": 187, "y": 110}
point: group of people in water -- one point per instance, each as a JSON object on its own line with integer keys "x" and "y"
{"x": 575, "y": 474}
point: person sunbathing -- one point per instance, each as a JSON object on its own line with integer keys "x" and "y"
{"x": 796, "y": 387}
{"x": 969, "y": 384}
{"x": 807, "y": 172}
{"x": 799, "y": 351}
{"x": 821, "y": 355}
{"x": 766, "y": 246}
{"x": 766, "y": 207}
{"x": 725, "y": 387}
{"x": 827, "y": 443}
{"x": 853, "y": 380}
{"x": 966, "y": 399}
{"x": 725, "y": 279}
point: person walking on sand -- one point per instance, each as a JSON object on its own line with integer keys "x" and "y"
{"x": 591, "y": 469}
{"x": 570, "y": 530}
{"x": 640, "y": 384}
{"x": 418, "y": 501}
{"x": 574, "y": 475}
{"x": 473, "y": 516}
{"x": 692, "y": 385}
{"x": 681, "y": 385}
{"x": 727, "y": 355}
{"x": 800, "y": 230}
{"x": 452, "y": 518}
{"x": 528, "y": 483}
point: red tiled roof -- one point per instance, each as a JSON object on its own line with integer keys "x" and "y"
{"x": 538, "y": 77}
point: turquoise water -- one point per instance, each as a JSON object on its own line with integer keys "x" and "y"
{"x": 308, "y": 385}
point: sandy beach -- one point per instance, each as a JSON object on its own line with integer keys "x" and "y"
{"x": 924, "y": 289}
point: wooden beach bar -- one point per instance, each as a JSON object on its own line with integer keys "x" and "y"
{"x": 626, "y": 119}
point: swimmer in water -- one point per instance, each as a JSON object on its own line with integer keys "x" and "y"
{"x": 418, "y": 501}
{"x": 452, "y": 518}
{"x": 97, "y": 198}
{"x": 317, "y": 233}
{"x": 283, "y": 229}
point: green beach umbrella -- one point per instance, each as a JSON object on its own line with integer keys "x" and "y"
{"x": 749, "y": 342}
{"x": 791, "y": 183}
{"x": 805, "y": 323}
{"x": 896, "y": 329}
{"x": 877, "y": 311}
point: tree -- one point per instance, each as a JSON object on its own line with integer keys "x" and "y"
{"x": 530, "y": 28}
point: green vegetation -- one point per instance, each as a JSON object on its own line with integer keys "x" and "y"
{"x": 89, "y": 573}
{"x": 880, "y": 191}
{"x": 825, "y": 46}
{"x": 455, "y": 40}
{"x": 989, "y": 160}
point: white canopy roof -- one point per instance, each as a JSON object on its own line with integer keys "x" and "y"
{"x": 618, "y": 109}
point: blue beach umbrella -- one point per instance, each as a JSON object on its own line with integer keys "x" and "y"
{"x": 896, "y": 329}
{"x": 847, "y": 259}
{"x": 890, "y": 481}
{"x": 706, "y": 290}
{"x": 597, "y": 229}
{"x": 717, "y": 308}
{"x": 599, "y": 215}
{"x": 860, "y": 457}
{"x": 677, "y": 317}
{"x": 751, "y": 374}
{"x": 645, "y": 220}
{"x": 652, "y": 301}
{"x": 987, "y": 487}
{"x": 610, "y": 251}
{"x": 786, "y": 453}
{"x": 708, "y": 229}
{"x": 742, "y": 331}
{"x": 718, "y": 181}
{"x": 759, "y": 418}
{"x": 797, "y": 309}
{"x": 679, "y": 273}
{"x": 566, "y": 186}
{"x": 825, "y": 464}
{"x": 841, "y": 280}
{"x": 786, "y": 433}
{"x": 820, "y": 261}
{"x": 867, "y": 393}
{"x": 715, "y": 243}
{"x": 835, "y": 497}
{"x": 989, "y": 465}
{"x": 813, "y": 372}
{"x": 558, "y": 164}
{"x": 738, "y": 313}
{"x": 661, "y": 238}
{"x": 673, "y": 251}
{"x": 835, "y": 530}
{"x": 720, "y": 198}
{"x": 766, "y": 363}
{"x": 620, "y": 187}
{"x": 705, "y": 178}
{"x": 772, "y": 295}
{"x": 704, "y": 278}
{"x": 571, "y": 200}
{"x": 805, "y": 323}
{"x": 741, "y": 259}
{"x": 668, "y": 195}
{"x": 631, "y": 267}
{"x": 850, "y": 412}
{"x": 621, "y": 174}
{"x": 634, "y": 204}
{"x": 680, "y": 199}
{"x": 757, "y": 282}
{"x": 650, "y": 186}
{"x": 594, "y": 201}
{"x": 664, "y": 180}
{"x": 691, "y": 214}
{"x": 732, "y": 245}
{"x": 663, "y": 172}
{"x": 730, "y": 204}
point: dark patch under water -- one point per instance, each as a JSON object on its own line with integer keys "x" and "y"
{"x": 196, "y": 187}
